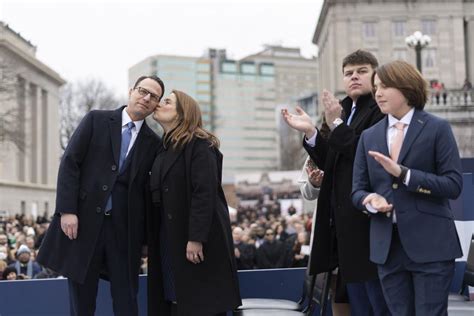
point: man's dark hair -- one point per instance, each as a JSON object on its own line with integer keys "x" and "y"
{"x": 360, "y": 57}
{"x": 152, "y": 77}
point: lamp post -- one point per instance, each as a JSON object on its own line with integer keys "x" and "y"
{"x": 418, "y": 41}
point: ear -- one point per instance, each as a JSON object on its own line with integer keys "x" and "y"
{"x": 130, "y": 92}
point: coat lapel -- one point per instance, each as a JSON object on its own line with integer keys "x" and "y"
{"x": 170, "y": 158}
{"x": 115, "y": 126}
{"x": 416, "y": 126}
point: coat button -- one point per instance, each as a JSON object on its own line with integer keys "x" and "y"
{"x": 395, "y": 186}
{"x": 98, "y": 209}
{"x": 105, "y": 187}
{"x": 170, "y": 216}
{"x": 114, "y": 168}
{"x": 165, "y": 189}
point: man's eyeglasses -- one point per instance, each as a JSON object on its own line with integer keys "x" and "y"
{"x": 144, "y": 92}
{"x": 269, "y": 234}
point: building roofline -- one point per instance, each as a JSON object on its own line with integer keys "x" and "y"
{"x": 33, "y": 61}
{"x": 321, "y": 20}
{"x": 18, "y": 35}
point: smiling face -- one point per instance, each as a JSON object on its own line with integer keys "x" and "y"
{"x": 166, "y": 113}
{"x": 357, "y": 80}
{"x": 142, "y": 100}
{"x": 390, "y": 100}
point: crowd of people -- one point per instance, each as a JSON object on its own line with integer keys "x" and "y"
{"x": 263, "y": 239}
{"x": 20, "y": 238}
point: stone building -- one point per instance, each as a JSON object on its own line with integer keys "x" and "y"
{"x": 381, "y": 27}
{"x": 29, "y": 109}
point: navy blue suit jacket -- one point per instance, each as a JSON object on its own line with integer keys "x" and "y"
{"x": 424, "y": 218}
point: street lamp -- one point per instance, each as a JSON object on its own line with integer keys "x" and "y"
{"x": 418, "y": 41}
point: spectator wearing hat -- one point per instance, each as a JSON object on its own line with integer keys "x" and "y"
{"x": 24, "y": 265}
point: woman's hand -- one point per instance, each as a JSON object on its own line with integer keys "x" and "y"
{"x": 194, "y": 252}
{"x": 315, "y": 176}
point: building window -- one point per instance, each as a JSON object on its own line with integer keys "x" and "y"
{"x": 428, "y": 27}
{"x": 428, "y": 58}
{"x": 23, "y": 207}
{"x": 399, "y": 28}
{"x": 248, "y": 68}
{"x": 368, "y": 29}
{"x": 229, "y": 67}
{"x": 399, "y": 54}
{"x": 267, "y": 70}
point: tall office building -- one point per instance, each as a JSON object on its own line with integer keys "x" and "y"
{"x": 29, "y": 148}
{"x": 248, "y": 96}
{"x": 240, "y": 98}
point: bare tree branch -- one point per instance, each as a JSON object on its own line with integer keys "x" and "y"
{"x": 77, "y": 99}
{"x": 10, "y": 131}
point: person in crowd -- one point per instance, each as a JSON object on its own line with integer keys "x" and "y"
{"x": 191, "y": 266}
{"x": 300, "y": 256}
{"x": 3, "y": 266}
{"x": 407, "y": 167}
{"x": 341, "y": 235}
{"x": 3, "y": 240}
{"x": 244, "y": 253}
{"x": 272, "y": 253}
{"x": 100, "y": 202}
{"x": 9, "y": 274}
{"x": 25, "y": 265}
{"x": 467, "y": 88}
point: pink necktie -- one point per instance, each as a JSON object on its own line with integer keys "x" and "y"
{"x": 397, "y": 141}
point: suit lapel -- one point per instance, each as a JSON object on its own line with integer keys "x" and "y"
{"x": 416, "y": 126}
{"x": 115, "y": 127}
{"x": 381, "y": 137}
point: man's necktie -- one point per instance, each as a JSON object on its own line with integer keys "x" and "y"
{"x": 397, "y": 141}
{"x": 126, "y": 137}
{"x": 349, "y": 120}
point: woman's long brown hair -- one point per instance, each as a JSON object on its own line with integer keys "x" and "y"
{"x": 188, "y": 123}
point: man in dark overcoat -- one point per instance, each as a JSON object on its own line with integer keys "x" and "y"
{"x": 99, "y": 223}
{"x": 341, "y": 232}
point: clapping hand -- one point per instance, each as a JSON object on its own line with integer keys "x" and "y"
{"x": 299, "y": 121}
{"x": 377, "y": 202}
{"x": 332, "y": 107}
{"x": 387, "y": 163}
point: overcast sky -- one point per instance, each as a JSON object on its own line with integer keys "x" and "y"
{"x": 103, "y": 38}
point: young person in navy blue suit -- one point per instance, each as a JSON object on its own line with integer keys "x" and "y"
{"x": 99, "y": 223}
{"x": 406, "y": 168}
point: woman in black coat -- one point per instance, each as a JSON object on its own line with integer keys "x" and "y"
{"x": 192, "y": 268}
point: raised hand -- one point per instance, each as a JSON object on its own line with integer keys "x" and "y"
{"x": 387, "y": 163}
{"x": 299, "y": 121}
{"x": 332, "y": 107}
